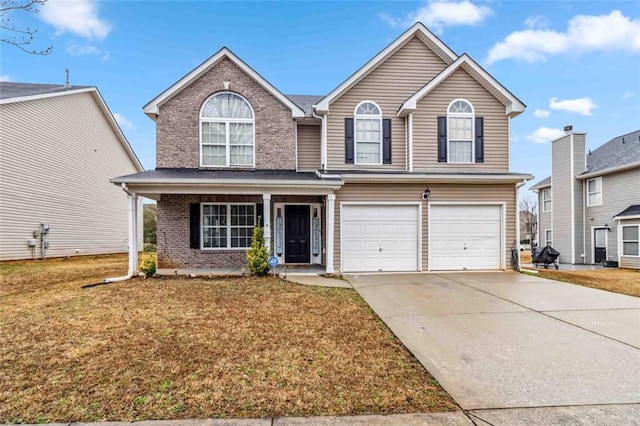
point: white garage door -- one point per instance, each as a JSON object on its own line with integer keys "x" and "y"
{"x": 379, "y": 238}
{"x": 465, "y": 237}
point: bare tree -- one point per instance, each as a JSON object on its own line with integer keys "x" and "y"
{"x": 529, "y": 216}
{"x": 20, "y": 37}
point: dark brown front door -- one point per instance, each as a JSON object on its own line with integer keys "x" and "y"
{"x": 297, "y": 234}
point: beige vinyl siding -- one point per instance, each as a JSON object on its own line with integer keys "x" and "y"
{"x": 561, "y": 181}
{"x": 389, "y": 85}
{"x": 631, "y": 262}
{"x": 619, "y": 191}
{"x": 439, "y": 193}
{"x": 460, "y": 85}
{"x": 56, "y": 158}
{"x": 308, "y": 148}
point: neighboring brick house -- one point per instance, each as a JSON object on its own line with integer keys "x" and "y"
{"x": 589, "y": 208}
{"x": 402, "y": 167}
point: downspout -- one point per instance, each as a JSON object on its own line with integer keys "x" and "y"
{"x": 323, "y": 140}
{"x": 133, "y": 238}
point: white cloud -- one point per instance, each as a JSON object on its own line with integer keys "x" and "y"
{"x": 545, "y": 134}
{"x": 541, "y": 113}
{"x": 123, "y": 121}
{"x": 537, "y": 21}
{"x": 612, "y": 32}
{"x": 582, "y": 106}
{"x": 81, "y": 50}
{"x": 4, "y": 77}
{"x": 628, "y": 95}
{"x": 78, "y": 17}
{"x": 437, "y": 14}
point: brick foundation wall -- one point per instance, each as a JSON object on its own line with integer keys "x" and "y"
{"x": 178, "y": 131}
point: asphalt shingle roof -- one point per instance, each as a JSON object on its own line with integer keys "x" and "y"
{"x": 630, "y": 211}
{"x": 10, "y": 89}
{"x": 544, "y": 182}
{"x": 617, "y": 152}
{"x": 212, "y": 175}
{"x": 306, "y": 102}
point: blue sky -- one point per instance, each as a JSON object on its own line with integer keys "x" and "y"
{"x": 571, "y": 62}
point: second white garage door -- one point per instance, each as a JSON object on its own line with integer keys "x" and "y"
{"x": 379, "y": 238}
{"x": 465, "y": 237}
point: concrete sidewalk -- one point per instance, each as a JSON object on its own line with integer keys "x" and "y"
{"x": 452, "y": 418}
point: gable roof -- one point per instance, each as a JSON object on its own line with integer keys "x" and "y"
{"x": 12, "y": 92}
{"x": 618, "y": 152}
{"x": 544, "y": 183}
{"x": 513, "y": 105}
{"x": 631, "y": 211}
{"x": 151, "y": 108}
{"x": 417, "y": 30}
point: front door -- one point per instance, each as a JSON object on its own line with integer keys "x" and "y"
{"x": 297, "y": 234}
{"x": 599, "y": 245}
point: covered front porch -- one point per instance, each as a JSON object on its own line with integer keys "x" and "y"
{"x": 205, "y": 218}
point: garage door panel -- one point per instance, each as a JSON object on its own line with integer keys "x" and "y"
{"x": 379, "y": 238}
{"x": 465, "y": 237}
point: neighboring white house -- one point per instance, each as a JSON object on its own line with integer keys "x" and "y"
{"x": 59, "y": 146}
{"x": 589, "y": 208}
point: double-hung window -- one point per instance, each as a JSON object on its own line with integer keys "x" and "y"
{"x": 631, "y": 240}
{"x": 227, "y": 226}
{"x": 546, "y": 200}
{"x": 594, "y": 192}
{"x": 460, "y": 118}
{"x": 368, "y": 134}
{"x": 227, "y": 132}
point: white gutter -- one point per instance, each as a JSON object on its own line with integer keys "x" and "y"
{"x": 133, "y": 238}
{"x": 327, "y": 176}
{"x": 419, "y": 178}
{"x": 232, "y": 182}
{"x": 630, "y": 217}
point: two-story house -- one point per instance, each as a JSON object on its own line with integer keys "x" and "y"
{"x": 589, "y": 208}
{"x": 404, "y": 166}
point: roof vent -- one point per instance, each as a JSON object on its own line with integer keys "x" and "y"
{"x": 623, "y": 139}
{"x": 66, "y": 83}
{"x": 568, "y": 129}
{"x": 589, "y": 152}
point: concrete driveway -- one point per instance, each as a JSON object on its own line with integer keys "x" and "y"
{"x": 504, "y": 340}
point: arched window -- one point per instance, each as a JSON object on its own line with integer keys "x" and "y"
{"x": 226, "y": 131}
{"x": 368, "y": 134}
{"x": 460, "y": 119}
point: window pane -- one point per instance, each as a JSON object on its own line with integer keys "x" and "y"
{"x": 227, "y": 105}
{"x": 460, "y": 107}
{"x": 595, "y": 199}
{"x": 241, "y": 133}
{"x": 214, "y": 155}
{"x": 459, "y": 152}
{"x": 367, "y": 108}
{"x": 241, "y": 156}
{"x": 630, "y": 249}
{"x": 367, "y": 152}
{"x": 630, "y": 233}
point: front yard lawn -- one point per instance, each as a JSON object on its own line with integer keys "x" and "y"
{"x": 193, "y": 348}
{"x": 625, "y": 281}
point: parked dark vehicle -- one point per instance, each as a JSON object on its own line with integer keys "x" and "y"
{"x": 546, "y": 255}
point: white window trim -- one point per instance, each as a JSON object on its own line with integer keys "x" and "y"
{"x": 202, "y": 247}
{"x": 599, "y": 178}
{"x": 622, "y": 240}
{"x": 227, "y": 121}
{"x": 547, "y": 241}
{"x": 357, "y": 117}
{"x": 472, "y": 115}
{"x": 548, "y": 190}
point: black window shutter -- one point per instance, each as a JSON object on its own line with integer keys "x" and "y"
{"x": 386, "y": 141}
{"x": 442, "y": 139}
{"x": 348, "y": 140}
{"x": 479, "y": 140}
{"x": 260, "y": 213}
{"x": 194, "y": 225}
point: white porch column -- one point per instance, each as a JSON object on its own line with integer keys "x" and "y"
{"x": 266, "y": 211}
{"x": 133, "y": 233}
{"x": 331, "y": 204}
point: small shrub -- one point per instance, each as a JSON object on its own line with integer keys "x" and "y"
{"x": 149, "y": 247}
{"x": 148, "y": 265}
{"x": 257, "y": 255}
